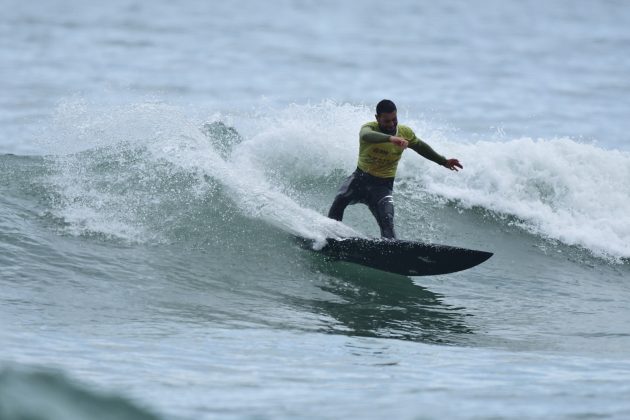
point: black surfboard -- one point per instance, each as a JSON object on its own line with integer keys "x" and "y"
{"x": 408, "y": 258}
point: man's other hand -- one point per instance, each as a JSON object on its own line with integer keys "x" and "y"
{"x": 453, "y": 164}
{"x": 399, "y": 141}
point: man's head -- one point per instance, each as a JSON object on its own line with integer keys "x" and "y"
{"x": 386, "y": 116}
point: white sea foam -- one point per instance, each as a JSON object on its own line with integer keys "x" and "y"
{"x": 165, "y": 134}
{"x": 561, "y": 189}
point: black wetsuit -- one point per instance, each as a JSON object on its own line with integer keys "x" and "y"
{"x": 375, "y": 192}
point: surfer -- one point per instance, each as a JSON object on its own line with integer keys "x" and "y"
{"x": 381, "y": 144}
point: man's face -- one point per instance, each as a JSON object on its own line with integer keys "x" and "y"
{"x": 387, "y": 122}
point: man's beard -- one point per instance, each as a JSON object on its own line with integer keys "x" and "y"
{"x": 390, "y": 132}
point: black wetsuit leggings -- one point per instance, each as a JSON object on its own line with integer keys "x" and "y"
{"x": 376, "y": 193}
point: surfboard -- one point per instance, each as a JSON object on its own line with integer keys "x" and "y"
{"x": 409, "y": 258}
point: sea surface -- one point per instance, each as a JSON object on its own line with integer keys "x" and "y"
{"x": 157, "y": 159}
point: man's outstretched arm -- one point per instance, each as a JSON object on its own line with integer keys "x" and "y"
{"x": 427, "y": 152}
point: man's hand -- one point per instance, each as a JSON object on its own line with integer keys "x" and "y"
{"x": 453, "y": 164}
{"x": 399, "y": 141}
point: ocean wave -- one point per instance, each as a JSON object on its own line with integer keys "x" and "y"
{"x": 144, "y": 171}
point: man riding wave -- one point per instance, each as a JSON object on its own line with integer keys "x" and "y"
{"x": 381, "y": 144}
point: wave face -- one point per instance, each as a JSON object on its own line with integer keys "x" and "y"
{"x": 148, "y": 173}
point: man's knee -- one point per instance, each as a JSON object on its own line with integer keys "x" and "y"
{"x": 336, "y": 211}
{"x": 385, "y": 216}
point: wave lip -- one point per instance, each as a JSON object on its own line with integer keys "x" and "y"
{"x": 48, "y": 395}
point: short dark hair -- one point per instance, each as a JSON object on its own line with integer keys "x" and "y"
{"x": 385, "y": 106}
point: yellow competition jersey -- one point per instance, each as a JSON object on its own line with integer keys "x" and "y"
{"x": 381, "y": 158}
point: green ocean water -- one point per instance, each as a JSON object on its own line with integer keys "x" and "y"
{"x": 150, "y": 271}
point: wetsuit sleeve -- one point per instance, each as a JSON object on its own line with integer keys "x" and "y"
{"x": 426, "y": 151}
{"x": 368, "y": 135}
